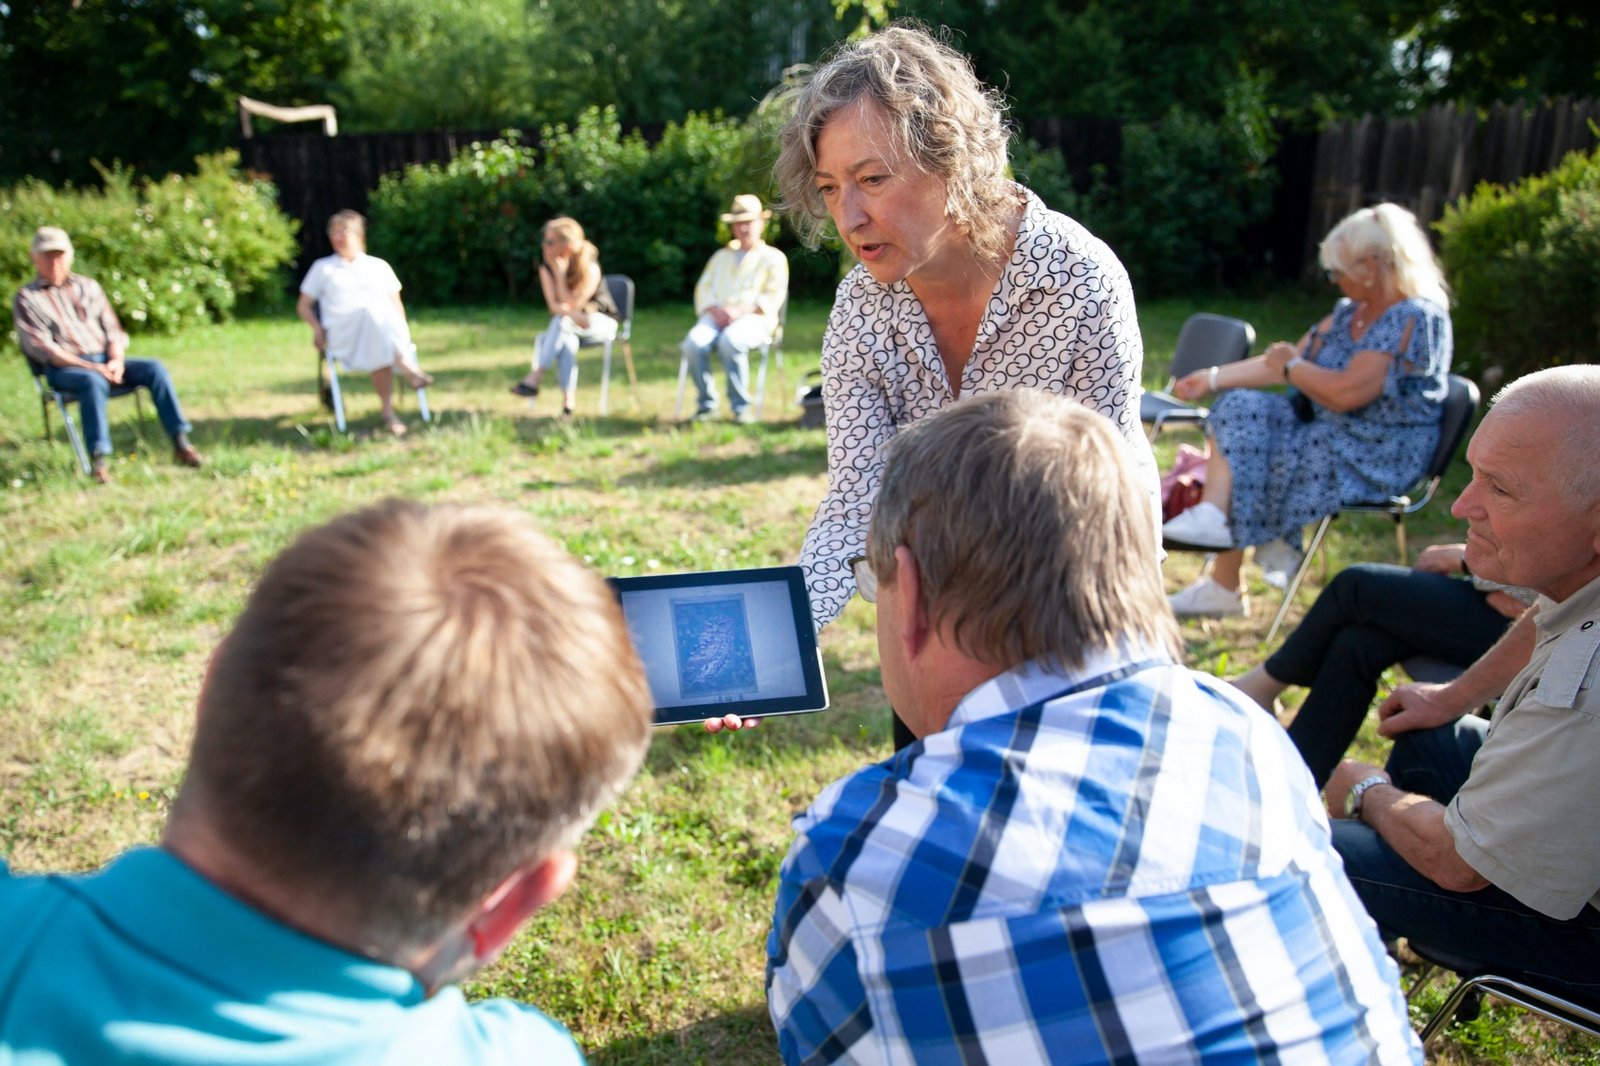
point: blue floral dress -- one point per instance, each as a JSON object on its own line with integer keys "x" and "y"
{"x": 1287, "y": 473}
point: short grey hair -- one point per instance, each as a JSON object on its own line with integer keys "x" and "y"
{"x": 936, "y": 113}
{"x": 1030, "y": 528}
{"x": 1571, "y": 394}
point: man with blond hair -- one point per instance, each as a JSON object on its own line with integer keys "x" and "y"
{"x": 1090, "y": 853}
{"x": 399, "y": 744}
{"x": 738, "y": 298}
{"x": 1477, "y": 838}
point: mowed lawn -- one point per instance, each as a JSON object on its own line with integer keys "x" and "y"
{"x": 112, "y": 597}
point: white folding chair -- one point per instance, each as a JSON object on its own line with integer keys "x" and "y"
{"x": 772, "y": 349}
{"x": 333, "y": 396}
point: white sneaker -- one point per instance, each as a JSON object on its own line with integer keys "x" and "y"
{"x": 1207, "y": 599}
{"x": 1203, "y": 525}
{"x": 1278, "y": 560}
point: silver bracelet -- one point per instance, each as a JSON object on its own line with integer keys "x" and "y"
{"x": 1211, "y": 379}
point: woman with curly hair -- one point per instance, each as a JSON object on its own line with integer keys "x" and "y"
{"x": 966, "y": 281}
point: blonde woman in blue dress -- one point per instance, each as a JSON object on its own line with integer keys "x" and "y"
{"x": 1370, "y": 379}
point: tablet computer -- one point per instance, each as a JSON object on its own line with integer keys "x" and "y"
{"x": 725, "y": 642}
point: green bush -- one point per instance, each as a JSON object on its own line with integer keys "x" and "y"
{"x": 170, "y": 253}
{"x": 1190, "y": 187}
{"x": 1524, "y": 262}
{"x": 468, "y": 230}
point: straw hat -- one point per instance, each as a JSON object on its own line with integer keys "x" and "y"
{"x": 746, "y": 208}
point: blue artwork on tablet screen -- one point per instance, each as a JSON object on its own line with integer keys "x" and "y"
{"x": 713, "y": 647}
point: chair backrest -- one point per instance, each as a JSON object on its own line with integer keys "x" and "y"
{"x": 1211, "y": 340}
{"x": 1460, "y": 404}
{"x": 620, "y": 286}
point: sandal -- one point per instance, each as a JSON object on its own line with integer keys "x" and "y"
{"x": 523, "y": 388}
{"x": 418, "y": 380}
{"x": 396, "y": 427}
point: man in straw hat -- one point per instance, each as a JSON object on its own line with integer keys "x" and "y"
{"x": 738, "y": 298}
{"x": 73, "y": 339}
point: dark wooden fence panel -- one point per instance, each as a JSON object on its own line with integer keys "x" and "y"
{"x": 317, "y": 175}
{"x": 1428, "y": 161}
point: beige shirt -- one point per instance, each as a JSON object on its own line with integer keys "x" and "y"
{"x": 1526, "y": 818}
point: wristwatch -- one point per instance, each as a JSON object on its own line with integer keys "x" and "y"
{"x": 1352, "y": 802}
{"x": 1290, "y": 365}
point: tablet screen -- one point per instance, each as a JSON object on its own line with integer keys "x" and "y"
{"x": 727, "y": 641}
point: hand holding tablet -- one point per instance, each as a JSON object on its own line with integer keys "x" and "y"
{"x": 725, "y": 645}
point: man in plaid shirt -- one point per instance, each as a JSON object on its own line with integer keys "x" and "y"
{"x": 1090, "y": 854}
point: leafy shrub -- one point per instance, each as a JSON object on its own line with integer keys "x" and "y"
{"x": 468, "y": 230}
{"x": 183, "y": 250}
{"x": 1525, "y": 265}
{"x": 1190, "y": 186}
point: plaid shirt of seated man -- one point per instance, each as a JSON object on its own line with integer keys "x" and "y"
{"x": 1091, "y": 853}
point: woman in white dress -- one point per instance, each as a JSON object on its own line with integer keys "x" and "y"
{"x": 351, "y": 300}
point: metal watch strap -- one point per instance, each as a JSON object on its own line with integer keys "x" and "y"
{"x": 1352, "y": 802}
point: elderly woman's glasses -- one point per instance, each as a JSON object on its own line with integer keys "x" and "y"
{"x": 866, "y": 580}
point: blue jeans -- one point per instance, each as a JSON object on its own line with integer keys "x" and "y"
{"x": 1489, "y": 926}
{"x": 93, "y": 391}
{"x": 732, "y": 346}
{"x": 1370, "y": 617}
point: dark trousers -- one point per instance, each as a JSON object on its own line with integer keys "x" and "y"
{"x": 1370, "y": 617}
{"x": 92, "y": 391}
{"x": 1488, "y": 927}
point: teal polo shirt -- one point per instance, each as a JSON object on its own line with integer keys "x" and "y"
{"x": 145, "y": 961}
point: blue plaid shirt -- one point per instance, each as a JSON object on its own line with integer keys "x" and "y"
{"x": 1123, "y": 863}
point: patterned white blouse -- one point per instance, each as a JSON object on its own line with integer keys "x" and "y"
{"x": 1061, "y": 319}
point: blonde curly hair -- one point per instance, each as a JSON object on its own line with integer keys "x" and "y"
{"x": 936, "y": 113}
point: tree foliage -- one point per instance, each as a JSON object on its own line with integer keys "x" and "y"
{"x": 430, "y": 64}
{"x": 1136, "y": 61}
{"x": 149, "y": 83}
{"x": 1482, "y": 52}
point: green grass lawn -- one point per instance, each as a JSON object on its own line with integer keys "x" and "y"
{"x": 113, "y": 596}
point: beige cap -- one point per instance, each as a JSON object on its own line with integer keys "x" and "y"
{"x": 51, "y": 239}
{"x": 746, "y": 208}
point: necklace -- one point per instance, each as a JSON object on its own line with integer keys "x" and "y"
{"x": 1361, "y": 319}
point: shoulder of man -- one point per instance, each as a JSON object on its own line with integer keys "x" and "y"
{"x": 490, "y": 1033}
{"x": 1568, "y": 674}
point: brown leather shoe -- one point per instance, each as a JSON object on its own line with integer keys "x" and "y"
{"x": 186, "y": 455}
{"x": 101, "y": 472}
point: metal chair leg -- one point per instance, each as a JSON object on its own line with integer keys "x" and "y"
{"x": 761, "y": 380}
{"x": 605, "y": 380}
{"x": 1299, "y": 576}
{"x": 683, "y": 378}
{"x": 74, "y": 438}
{"x": 337, "y": 394}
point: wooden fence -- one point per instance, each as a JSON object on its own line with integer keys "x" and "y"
{"x": 317, "y": 175}
{"x": 1427, "y": 162}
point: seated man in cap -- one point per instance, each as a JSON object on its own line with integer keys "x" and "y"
{"x": 1090, "y": 854}
{"x": 399, "y": 744}
{"x": 738, "y": 298}
{"x": 70, "y": 333}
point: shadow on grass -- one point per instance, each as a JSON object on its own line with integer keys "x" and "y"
{"x": 740, "y": 1038}
{"x": 771, "y": 464}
